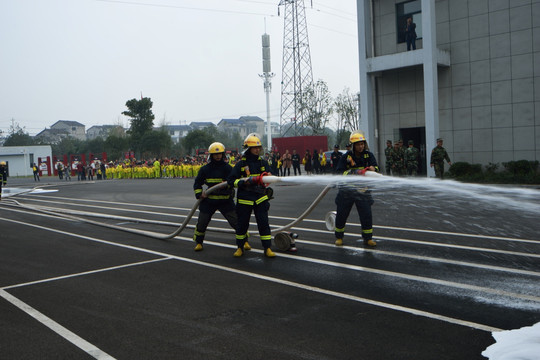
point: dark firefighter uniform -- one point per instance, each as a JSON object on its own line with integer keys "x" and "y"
{"x": 3, "y": 176}
{"x": 349, "y": 195}
{"x": 336, "y": 155}
{"x": 213, "y": 173}
{"x": 252, "y": 197}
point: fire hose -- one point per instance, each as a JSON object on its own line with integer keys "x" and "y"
{"x": 283, "y": 239}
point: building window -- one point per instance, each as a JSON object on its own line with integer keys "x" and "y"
{"x": 405, "y": 10}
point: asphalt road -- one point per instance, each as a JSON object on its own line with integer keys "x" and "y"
{"x": 449, "y": 268}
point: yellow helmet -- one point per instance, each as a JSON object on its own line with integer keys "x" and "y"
{"x": 216, "y": 148}
{"x": 357, "y": 136}
{"x": 2, "y": 163}
{"x": 252, "y": 140}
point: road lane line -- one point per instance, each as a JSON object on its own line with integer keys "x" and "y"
{"x": 294, "y": 284}
{"x": 346, "y": 266}
{"x": 32, "y": 197}
{"x": 73, "y": 338}
{"x": 419, "y": 242}
{"x": 84, "y": 273}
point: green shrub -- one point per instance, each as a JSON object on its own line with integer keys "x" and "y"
{"x": 464, "y": 169}
{"x": 521, "y": 167}
{"x": 515, "y": 172}
{"x": 492, "y": 168}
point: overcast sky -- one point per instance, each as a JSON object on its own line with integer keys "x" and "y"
{"x": 198, "y": 60}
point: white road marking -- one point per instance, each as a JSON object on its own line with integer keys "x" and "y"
{"x": 419, "y": 242}
{"x": 290, "y": 219}
{"x": 57, "y": 328}
{"x": 307, "y": 287}
{"x": 85, "y": 273}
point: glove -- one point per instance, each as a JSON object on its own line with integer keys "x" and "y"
{"x": 253, "y": 180}
{"x": 360, "y": 172}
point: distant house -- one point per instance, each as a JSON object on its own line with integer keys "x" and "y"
{"x": 52, "y": 136}
{"x": 72, "y": 128}
{"x": 199, "y": 125}
{"x": 62, "y": 129}
{"x": 177, "y": 131}
{"x": 243, "y": 126}
{"x": 101, "y": 131}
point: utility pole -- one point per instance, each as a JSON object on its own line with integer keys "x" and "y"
{"x": 296, "y": 65}
{"x": 267, "y": 75}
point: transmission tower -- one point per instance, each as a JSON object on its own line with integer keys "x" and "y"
{"x": 296, "y": 71}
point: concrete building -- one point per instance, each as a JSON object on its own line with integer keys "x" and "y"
{"x": 62, "y": 129}
{"x": 21, "y": 158}
{"x": 102, "y": 131}
{"x": 243, "y": 126}
{"x": 199, "y": 125}
{"x": 473, "y": 80}
{"x": 177, "y": 131}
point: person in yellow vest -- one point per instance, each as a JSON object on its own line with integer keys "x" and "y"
{"x": 35, "y": 170}
{"x": 322, "y": 160}
{"x": 188, "y": 170}
{"x": 157, "y": 169}
{"x": 119, "y": 171}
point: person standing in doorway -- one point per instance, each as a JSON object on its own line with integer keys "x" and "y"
{"x": 388, "y": 157}
{"x": 410, "y": 34}
{"x": 411, "y": 159}
{"x": 438, "y": 155}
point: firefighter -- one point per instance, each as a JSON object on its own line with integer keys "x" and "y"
{"x": 252, "y": 195}
{"x": 3, "y": 176}
{"x": 215, "y": 172}
{"x": 355, "y": 162}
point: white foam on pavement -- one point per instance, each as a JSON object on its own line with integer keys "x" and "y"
{"x": 522, "y": 344}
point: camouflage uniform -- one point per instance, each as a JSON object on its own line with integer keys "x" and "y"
{"x": 411, "y": 160}
{"x": 388, "y": 156}
{"x": 438, "y": 155}
{"x": 397, "y": 161}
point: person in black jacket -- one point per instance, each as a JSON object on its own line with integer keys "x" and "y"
{"x": 336, "y": 155}
{"x": 211, "y": 174}
{"x": 410, "y": 34}
{"x": 355, "y": 162}
{"x": 252, "y": 195}
{"x": 3, "y": 176}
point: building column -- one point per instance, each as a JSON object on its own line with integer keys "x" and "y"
{"x": 431, "y": 84}
{"x": 365, "y": 39}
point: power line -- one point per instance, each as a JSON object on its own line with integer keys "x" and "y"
{"x": 185, "y": 7}
{"x": 336, "y": 31}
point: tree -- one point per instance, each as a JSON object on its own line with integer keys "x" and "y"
{"x": 346, "y": 108}
{"x": 156, "y": 144}
{"x": 141, "y": 118}
{"x": 69, "y": 145}
{"x": 198, "y": 139}
{"x": 116, "y": 146}
{"x": 18, "y": 137}
{"x": 316, "y": 107}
